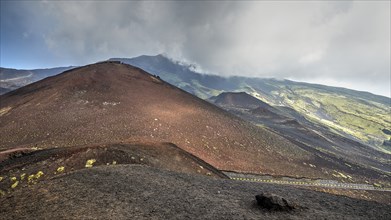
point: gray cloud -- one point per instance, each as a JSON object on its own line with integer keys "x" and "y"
{"x": 344, "y": 43}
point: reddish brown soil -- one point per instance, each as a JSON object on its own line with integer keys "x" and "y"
{"x": 111, "y": 102}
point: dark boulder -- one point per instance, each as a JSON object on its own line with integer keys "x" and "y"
{"x": 274, "y": 202}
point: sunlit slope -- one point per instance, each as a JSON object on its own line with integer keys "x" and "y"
{"x": 112, "y": 102}
{"x": 361, "y": 117}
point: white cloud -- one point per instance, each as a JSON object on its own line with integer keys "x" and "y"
{"x": 311, "y": 57}
{"x": 346, "y": 41}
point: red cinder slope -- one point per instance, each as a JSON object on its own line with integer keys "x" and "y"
{"x": 112, "y": 102}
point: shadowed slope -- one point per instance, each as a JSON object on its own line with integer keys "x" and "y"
{"x": 57, "y": 161}
{"x": 239, "y": 99}
{"x": 309, "y": 136}
{"x": 246, "y": 101}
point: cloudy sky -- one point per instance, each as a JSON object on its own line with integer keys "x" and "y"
{"x": 336, "y": 43}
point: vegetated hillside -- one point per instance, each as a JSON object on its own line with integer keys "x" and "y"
{"x": 11, "y": 79}
{"x": 357, "y": 115}
{"x": 112, "y": 102}
{"x": 141, "y": 192}
{"x": 312, "y": 137}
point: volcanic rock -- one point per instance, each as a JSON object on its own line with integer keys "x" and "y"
{"x": 274, "y": 202}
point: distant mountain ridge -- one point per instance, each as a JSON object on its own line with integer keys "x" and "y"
{"x": 11, "y": 79}
{"x": 111, "y": 102}
{"x": 354, "y": 114}
{"x": 357, "y": 115}
{"x": 162, "y": 65}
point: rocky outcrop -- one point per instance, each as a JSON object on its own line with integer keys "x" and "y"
{"x": 274, "y": 202}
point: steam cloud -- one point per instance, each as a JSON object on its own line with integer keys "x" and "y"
{"x": 341, "y": 43}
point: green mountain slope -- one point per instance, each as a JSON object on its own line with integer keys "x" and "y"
{"x": 361, "y": 116}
